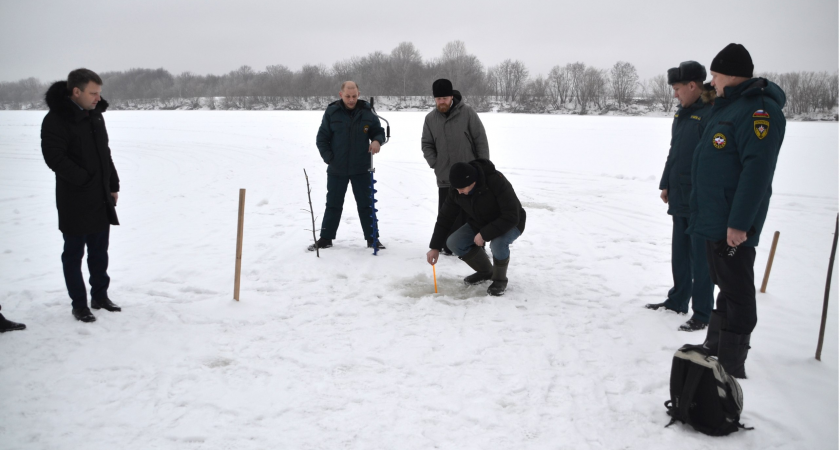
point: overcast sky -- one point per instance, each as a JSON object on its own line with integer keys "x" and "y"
{"x": 48, "y": 38}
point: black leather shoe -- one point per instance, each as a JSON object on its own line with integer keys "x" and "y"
{"x": 655, "y": 306}
{"x": 693, "y": 325}
{"x": 379, "y": 245}
{"x": 84, "y": 314}
{"x": 321, "y": 243}
{"x": 104, "y": 303}
{"x": 8, "y": 325}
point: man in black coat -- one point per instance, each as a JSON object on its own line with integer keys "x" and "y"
{"x": 74, "y": 143}
{"x": 494, "y": 214}
{"x": 349, "y": 134}
{"x": 688, "y": 253}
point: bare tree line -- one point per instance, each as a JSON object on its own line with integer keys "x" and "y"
{"x": 402, "y": 73}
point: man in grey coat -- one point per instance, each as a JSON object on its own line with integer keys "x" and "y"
{"x": 452, "y": 133}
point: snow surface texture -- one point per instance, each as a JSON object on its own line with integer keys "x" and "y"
{"x": 352, "y": 351}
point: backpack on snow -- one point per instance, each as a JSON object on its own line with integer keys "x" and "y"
{"x": 703, "y": 395}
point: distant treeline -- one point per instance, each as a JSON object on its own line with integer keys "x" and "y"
{"x": 404, "y": 74}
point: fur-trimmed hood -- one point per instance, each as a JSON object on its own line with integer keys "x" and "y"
{"x": 58, "y": 100}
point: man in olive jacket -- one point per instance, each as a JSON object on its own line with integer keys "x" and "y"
{"x": 732, "y": 176}
{"x": 493, "y": 214}
{"x": 74, "y": 143}
{"x": 452, "y": 133}
{"x": 349, "y": 134}
{"x": 688, "y": 253}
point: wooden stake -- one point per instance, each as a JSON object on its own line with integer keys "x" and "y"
{"x": 770, "y": 262}
{"x": 434, "y": 275}
{"x": 240, "y": 224}
{"x": 827, "y": 289}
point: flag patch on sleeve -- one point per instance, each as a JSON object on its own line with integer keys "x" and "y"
{"x": 761, "y": 113}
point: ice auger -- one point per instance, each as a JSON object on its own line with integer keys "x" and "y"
{"x": 374, "y": 222}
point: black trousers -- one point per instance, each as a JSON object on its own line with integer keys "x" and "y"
{"x": 336, "y": 190}
{"x": 97, "y": 260}
{"x": 459, "y": 221}
{"x": 735, "y": 277}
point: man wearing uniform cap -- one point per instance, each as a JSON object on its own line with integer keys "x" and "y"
{"x": 452, "y": 133}
{"x": 732, "y": 176}
{"x": 688, "y": 253}
{"x": 493, "y": 214}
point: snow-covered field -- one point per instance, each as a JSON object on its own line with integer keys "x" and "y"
{"x": 352, "y": 351}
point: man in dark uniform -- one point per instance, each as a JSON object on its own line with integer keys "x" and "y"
{"x": 350, "y": 132}
{"x": 732, "y": 176}
{"x": 688, "y": 253}
{"x": 74, "y": 143}
{"x": 494, "y": 214}
{"x": 8, "y": 325}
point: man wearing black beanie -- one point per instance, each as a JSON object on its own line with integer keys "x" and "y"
{"x": 452, "y": 133}
{"x": 493, "y": 214}
{"x": 731, "y": 174}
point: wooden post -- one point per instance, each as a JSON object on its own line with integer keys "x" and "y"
{"x": 770, "y": 262}
{"x": 827, "y": 289}
{"x": 239, "y": 231}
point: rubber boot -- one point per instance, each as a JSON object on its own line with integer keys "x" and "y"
{"x": 716, "y": 323}
{"x": 477, "y": 259}
{"x": 732, "y": 352}
{"x": 500, "y": 280}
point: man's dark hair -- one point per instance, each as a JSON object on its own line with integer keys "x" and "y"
{"x": 80, "y": 78}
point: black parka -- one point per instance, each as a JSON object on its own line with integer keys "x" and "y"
{"x": 74, "y": 143}
{"x": 492, "y": 207}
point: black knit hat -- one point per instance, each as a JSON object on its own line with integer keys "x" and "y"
{"x": 462, "y": 175}
{"x": 442, "y": 88}
{"x": 687, "y": 71}
{"x": 733, "y": 60}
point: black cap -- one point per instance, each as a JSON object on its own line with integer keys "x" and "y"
{"x": 733, "y": 60}
{"x": 687, "y": 71}
{"x": 462, "y": 175}
{"x": 442, "y": 88}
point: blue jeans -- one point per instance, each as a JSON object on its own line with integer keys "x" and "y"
{"x": 462, "y": 241}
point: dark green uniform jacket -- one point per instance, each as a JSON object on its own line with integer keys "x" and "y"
{"x": 75, "y": 146}
{"x": 735, "y": 160}
{"x": 685, "y": 134}
{"x": 492, "y": 207}
{"x": 345, "y": 136}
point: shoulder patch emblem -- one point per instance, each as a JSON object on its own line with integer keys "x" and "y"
{"x": 366, "y": 128}
{"x": 696, "y": 117}
{"x": 761, "y": 113}
{"x": 676, "y": 115}
{"x": 719, "y": 141}
{"x": 761, "y": 127}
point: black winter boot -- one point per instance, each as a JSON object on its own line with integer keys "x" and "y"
{"x": 8, "y": 325}
{"x": 716, "y": 323}
{"x": 477, "y": 259}
{"x": 500, "y": 281}
{"x": 732, "y": 352}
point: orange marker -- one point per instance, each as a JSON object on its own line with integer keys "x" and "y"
{"x": 434, "y": 275}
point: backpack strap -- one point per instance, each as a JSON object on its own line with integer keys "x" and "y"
{"x": 692, "y": 380}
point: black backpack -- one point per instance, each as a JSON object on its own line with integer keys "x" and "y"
{"x": 703, "y": 395}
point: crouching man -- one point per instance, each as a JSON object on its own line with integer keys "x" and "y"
{"x": 493, "y": 214}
